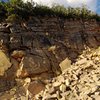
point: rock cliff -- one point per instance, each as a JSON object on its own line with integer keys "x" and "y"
{"x": 37, "y": 47}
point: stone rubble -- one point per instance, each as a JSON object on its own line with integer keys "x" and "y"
{"x": 81, "y": 81}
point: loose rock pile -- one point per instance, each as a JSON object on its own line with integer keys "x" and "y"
{"x": 79, "y": 82}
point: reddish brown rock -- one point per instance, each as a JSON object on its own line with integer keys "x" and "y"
{"x": 36, "y": 87}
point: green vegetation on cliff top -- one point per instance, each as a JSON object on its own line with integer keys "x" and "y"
{"x": 17, "y": 9}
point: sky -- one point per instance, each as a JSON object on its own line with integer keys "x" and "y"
{"x": 93, "y": 5}
{"x": 98, "y": 7}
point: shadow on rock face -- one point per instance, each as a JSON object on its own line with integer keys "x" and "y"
{"x": 6, "y": 85}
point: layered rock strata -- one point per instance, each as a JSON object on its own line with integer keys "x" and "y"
{"x": 37, "y": 47}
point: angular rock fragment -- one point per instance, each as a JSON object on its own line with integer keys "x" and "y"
{"x": 62, "y": 88}
{"x": 4, "y": 63}
{"x": 65, "y": 64}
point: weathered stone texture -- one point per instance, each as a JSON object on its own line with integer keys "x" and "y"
{"x": 46, "y": 42}
{"x": 69, "y": 36}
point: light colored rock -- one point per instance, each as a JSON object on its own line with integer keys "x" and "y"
{"x": 65, "y": 64}
{"x": 82, "y": 61}
{"x": 4, "y": 63}
{"x": 67, "y": 82}
{"x": 23, "y": 98}
{"x": 51, "y": 90}
{"x": 97, "y": 52}
{"x": 52, "y": 48}
{"x": 12, "y": 93}
{"x": 13, "y": 99}
{"x": 62, "y": 88}
{"x": 97, "y": 58}
{"x": 18, "y": 54}
{"x": 27, "y": 81}
{"x": 97, "y": 97}
{"x": 60, "y": 79}
{"x": 48, "y": 97}
{"x": 19, "y": 71}
{"x": 56, "y": 84}
{"x": 58, "y": 95}
{"x": 48, "y": 86}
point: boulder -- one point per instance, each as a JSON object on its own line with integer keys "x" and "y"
{"x": 4, "y": 63}
{"x": 32, "y": 65}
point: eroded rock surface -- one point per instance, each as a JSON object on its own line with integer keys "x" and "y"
{"x": 43, "y": 48}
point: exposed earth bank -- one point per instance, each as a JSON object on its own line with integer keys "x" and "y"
{"x": 33, "y": 52}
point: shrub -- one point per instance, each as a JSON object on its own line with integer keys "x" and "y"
{"x": 13, "y": 18}
{"x": 17, "y": 8}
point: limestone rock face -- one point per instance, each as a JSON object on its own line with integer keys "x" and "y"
{"x": 4, "y": 63}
